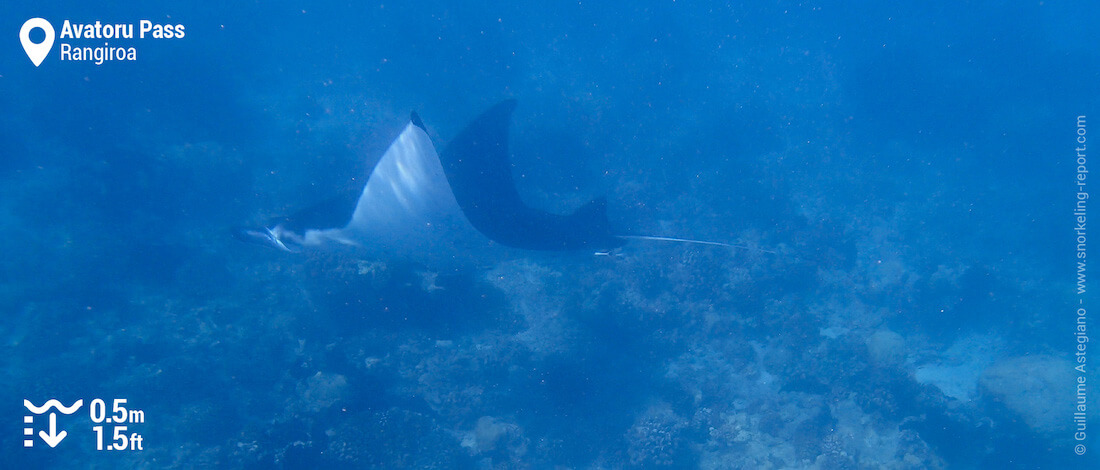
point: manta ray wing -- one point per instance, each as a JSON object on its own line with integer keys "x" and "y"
{"x": 479, "y": 169}
{"x": 407, "y": 209}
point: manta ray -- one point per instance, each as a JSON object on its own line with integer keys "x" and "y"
{"x": 445, "y": 210}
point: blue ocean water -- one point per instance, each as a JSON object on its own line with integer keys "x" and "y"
{"x": 904, "y": 177}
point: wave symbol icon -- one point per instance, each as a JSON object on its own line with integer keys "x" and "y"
{"x": 53, "y": 403}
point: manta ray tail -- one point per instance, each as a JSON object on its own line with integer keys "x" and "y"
{"x": 692, "y": 241}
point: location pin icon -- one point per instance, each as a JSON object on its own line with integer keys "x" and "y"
{"x": 37, "y": 52}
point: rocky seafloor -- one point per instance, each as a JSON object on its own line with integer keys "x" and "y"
{"x": 842, "y": 349}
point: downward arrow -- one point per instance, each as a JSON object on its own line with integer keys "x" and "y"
{"x": 53, "y": 438}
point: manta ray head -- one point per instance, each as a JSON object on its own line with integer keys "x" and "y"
{"x": 275, "y": 237}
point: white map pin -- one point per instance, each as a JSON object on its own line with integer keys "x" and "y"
{"x": 37, "y": 52}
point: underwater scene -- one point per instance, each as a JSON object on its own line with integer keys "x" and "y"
{"x": 548, "y": 235}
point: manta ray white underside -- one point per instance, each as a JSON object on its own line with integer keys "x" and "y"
{"x": 407, "y": 210}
